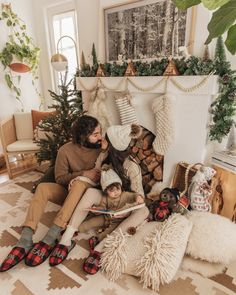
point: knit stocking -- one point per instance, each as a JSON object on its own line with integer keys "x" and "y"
{"x": 164, "y": 126}
{"x": 98, "y": 108}
{"x": 126, "y": 109}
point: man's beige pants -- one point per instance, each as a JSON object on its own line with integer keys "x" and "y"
{"x": 55, "y": 193}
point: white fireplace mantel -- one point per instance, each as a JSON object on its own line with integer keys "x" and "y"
{"x": 191, "y": 97}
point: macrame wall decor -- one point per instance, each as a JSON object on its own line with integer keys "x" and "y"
{"x": 164, "y": 126}
{"x": 125, "y": 104}
{"x": 97, "y": 108}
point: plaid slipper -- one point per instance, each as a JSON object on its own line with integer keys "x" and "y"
{"x": 38, "y": 254}
{"x": 13, "y": 258}
{"x": 59, "y": 253}
{"x": 91, "y": 264}
{"x": 93, "y": 241}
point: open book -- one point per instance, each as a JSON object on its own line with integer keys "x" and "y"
{"x": 114, "y": 212}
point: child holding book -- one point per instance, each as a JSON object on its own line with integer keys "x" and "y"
{"x": 113, "y": 198}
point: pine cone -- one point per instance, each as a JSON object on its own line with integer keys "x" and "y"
{"x": 131, "y": 230}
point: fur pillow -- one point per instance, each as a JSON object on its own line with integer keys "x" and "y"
{"x": 213, "y": 238}
{"x": 154, "y": 253}
{"x": 204, "y": 268}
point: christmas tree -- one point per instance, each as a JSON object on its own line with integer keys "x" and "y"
{"x": 223, "y": 108}
{"x": 68, "y": 106}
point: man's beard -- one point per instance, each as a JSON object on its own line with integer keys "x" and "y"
{"x": 92, "y": 145}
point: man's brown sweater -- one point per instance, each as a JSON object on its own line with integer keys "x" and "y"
{"x": 72, "y": 160}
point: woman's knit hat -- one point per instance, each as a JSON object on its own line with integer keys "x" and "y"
{"x": 121, "y": 135}
{"x": 108, "y": 177}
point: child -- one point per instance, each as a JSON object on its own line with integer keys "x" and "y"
{"x": 113, "y": 198}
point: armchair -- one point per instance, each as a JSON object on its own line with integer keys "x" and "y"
{"x": 17, "y": 138}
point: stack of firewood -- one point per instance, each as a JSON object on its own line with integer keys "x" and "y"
{"x": 151, "y": 164}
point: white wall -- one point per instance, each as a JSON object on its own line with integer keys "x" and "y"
{"x": 30, "y": 100}
{"x": 91, "y": 30}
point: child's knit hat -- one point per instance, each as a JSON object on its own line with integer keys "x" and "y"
{"x": 108, "y": 177}
{"x": 121, "y": 135}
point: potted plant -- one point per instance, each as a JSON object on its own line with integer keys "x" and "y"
{"x": 19, "y": 54}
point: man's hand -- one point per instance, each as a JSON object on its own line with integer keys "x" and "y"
{"x": 139, "y": 199}
{"x": 93, "y": 174}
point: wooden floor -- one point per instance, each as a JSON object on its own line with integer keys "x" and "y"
{"x": 18, "y": 165}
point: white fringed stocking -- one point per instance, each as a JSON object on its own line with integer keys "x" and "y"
{"x": 97, "y": 108}
{"x": 164, "y": 126}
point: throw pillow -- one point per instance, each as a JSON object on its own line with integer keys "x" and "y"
{"x": 213, "y": 238}
{"x": 154, "y": 253}
{"x": 204, "y": 268}
{"x": 23, "y": 125}
{"x": 37, "y": 116}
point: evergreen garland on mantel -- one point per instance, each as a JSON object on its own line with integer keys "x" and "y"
{"x": 222, "y": 109}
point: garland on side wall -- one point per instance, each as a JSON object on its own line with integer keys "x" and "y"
{"x": 222, "y": 109}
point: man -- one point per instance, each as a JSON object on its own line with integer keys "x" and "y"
{"x": 74, "y": 159}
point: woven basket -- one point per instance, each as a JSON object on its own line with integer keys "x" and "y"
{"x": 183, "y": 175}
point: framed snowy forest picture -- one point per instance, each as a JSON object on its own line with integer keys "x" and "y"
{"x": 147, "y": 29}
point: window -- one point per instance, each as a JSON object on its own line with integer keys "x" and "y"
{"x": 63, "y": 37}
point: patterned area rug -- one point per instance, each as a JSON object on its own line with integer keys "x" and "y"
{"x": 69, "y": 278}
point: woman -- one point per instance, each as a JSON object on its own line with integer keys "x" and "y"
{"x": 119, "y": 138}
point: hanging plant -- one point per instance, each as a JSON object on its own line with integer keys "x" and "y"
{"x": 19, "y": 54}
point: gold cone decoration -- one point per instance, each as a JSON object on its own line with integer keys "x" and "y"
{"x": 100, "y": 71}
{"x": 171, "y": 69}
{"x": 130, "y": 71}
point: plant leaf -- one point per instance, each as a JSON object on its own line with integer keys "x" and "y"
{"x": 221, "y": 20}
{"x": 230, "y": 40}
{"x": 8, "y": 80}
{"x": 184, "y": 4}
{"x": 214, "y": 4}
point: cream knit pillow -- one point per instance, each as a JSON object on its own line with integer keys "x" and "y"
{"x": 154, "y": 253}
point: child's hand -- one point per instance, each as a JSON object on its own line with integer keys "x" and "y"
{"x": 122, "y": 215}
{"x": 139, "y": 199}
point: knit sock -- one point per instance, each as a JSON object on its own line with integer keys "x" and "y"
{"x": 68, "y": 235}
{"x": 26, "y": 239}
{"x": 52, "y": 235}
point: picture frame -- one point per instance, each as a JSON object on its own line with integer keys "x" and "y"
{"x": 140, "y": 30}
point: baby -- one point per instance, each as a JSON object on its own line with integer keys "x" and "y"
{"x": 113, "y": 198}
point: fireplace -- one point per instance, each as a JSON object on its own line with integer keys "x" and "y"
{"x": 191, "y": 97}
